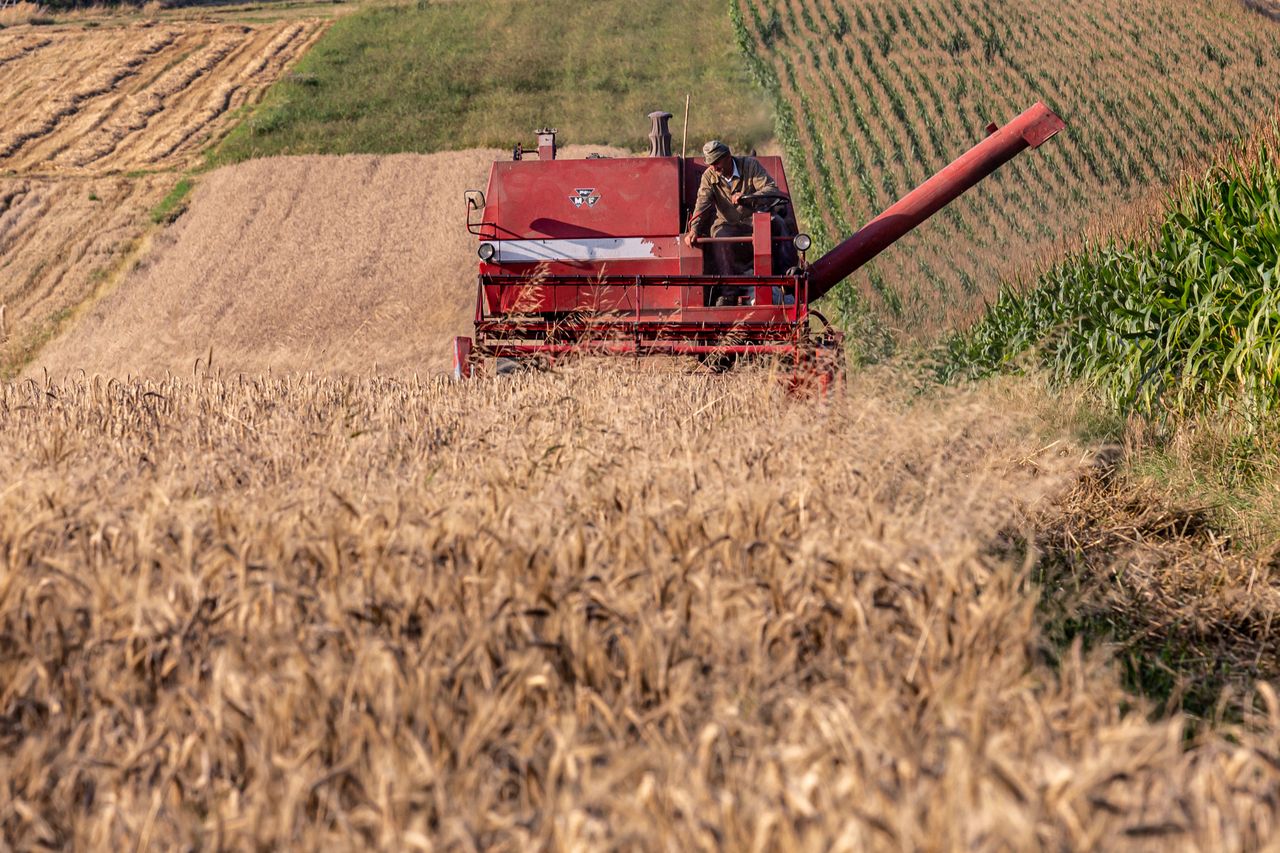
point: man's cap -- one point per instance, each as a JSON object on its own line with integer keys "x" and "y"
{"x": 714, "y": 150}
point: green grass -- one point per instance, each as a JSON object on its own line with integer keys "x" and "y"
{"x": 446, "y": 76}
{"x": 173, "y": 204}
{"x": 1235, "y": 475}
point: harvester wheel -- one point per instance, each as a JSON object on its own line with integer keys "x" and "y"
{"x": 817, "y": 376}
{"x": 717, "y": 362}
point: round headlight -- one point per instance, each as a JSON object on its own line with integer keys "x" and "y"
{"x": 487, "y": 251}
{"x": 803, "y": 242}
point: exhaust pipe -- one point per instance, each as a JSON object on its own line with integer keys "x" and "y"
{"x": 659, "y": 134}
{"x": 1032, "y": 129}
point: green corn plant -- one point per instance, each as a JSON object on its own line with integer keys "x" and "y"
{"x": 1186, "y": 321}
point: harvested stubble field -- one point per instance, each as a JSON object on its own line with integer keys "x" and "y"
{"x": 327, "y": 264}
{"x": 59, "y": 241}
{"x": 124, "y": 98}
{"x": 282, "y": 612}
{"x": 95, "y": 117}
{"x": 876, "y": 96}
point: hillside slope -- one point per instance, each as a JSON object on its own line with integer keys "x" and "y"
{"x": 98, "y": 117}
{"x": 59, "y": 240}
{"x": 878, "y": 95}
{"x": 298, "y": 264}
{"x": 446, "y": 76}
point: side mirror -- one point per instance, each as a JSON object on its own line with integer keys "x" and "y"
{"x": 475, "y": 201}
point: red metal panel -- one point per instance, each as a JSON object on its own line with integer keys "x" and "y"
{"x": 660, "y": 298}
{"x": 642, "y": 348}
{"x": 762, "y": 254}
{"x": 462, "y": 358}
{"x": 585, "y": 217}
{"x": 603, "y": 236}
{"x": 761, "y": 244}
{"x": 566, "y": 199}
{"x": 524, "y": 296}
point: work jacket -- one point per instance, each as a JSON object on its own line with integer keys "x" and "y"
{"x": 714, "y": 206}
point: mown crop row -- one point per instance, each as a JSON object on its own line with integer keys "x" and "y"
{"x": 1186, "y": 319}
{"x": 883, "y": 93}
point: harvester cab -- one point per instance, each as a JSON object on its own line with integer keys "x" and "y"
{"x": 586, "y": 256}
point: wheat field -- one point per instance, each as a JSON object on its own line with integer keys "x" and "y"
{"x": 578, "y": 610}
{"x": 100, "y": 116}
{"x": 296, "y": 264}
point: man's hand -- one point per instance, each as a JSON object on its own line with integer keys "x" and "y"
{"x": 691, "y": 238}
{"x": 736, "y": 198}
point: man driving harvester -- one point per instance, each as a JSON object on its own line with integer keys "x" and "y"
{"x": 720, "y": 212}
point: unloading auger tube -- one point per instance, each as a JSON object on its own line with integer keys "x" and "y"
{"x": 1030, "y": 130}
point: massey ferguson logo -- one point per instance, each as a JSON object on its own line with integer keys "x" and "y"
{"x": 586, "y": 198}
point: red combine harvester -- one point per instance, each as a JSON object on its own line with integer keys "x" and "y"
{"x": 586, "y": 256}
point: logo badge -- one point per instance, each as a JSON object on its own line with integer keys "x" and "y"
{"x": 583, "y": 197}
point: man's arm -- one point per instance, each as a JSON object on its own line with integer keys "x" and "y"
{"x": 700, "y": 219}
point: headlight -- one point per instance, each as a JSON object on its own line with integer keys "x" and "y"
{"x": 803, "y": 242}
{"x": 487, "y": 251}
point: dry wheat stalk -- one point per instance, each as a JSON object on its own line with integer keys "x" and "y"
{"x": 589, "y": 608}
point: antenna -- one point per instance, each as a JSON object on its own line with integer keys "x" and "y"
{"x": 684, "y": 134}
{"x": 684, "y": 145}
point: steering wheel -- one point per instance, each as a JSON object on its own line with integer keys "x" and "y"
{"x": 761, "y": 202}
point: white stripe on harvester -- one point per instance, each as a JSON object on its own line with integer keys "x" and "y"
{"x": 585, "y": 249}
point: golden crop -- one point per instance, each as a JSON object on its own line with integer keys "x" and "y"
{"x": 584, "y": 609}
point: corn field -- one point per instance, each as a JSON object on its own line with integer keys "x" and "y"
{"x": 585, "y": 609}
{"x": 1183, "y": 320}
{"x": 873, "y": 97}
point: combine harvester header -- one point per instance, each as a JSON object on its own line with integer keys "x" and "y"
{"x": 587, "y": 256}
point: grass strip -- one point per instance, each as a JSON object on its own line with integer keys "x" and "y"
{"x": 447, "y": 76}
{"x": 173, "y": 204}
